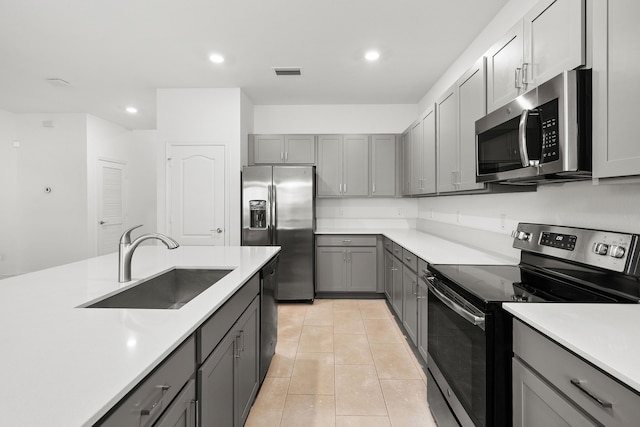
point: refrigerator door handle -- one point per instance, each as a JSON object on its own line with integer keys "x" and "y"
{"x": 274, "y": 216}
{"x": 270, "y": 219}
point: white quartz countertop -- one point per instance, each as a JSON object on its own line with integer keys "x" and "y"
{"x": 61, "y": 365}
{"x": 606, "y": 335}
{"x": 433, "y": 249}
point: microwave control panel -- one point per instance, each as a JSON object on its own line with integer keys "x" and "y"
{"x": 549, "y": 122}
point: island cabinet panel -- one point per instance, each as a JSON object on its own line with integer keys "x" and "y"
{"x": 217, "y": 326}
{"x": 182, "y": 412}
{"x": 228, "y": 380}
{"x": 560, "y": 386}
{"x": 156, "y": 392}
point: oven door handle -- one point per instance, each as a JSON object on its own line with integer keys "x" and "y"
{"x": 458, "y": 309}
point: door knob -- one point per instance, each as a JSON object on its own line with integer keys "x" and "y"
{"x": 103, "y": 222}
{"x": 218, "y": 230}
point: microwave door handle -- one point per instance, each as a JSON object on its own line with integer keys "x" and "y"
{"x": 522, "y": 138}
{"x": 459, "y": 310}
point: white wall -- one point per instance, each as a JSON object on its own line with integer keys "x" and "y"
{"x": 137, "y": 150}
{"x": 363, "y": 118}
{"x": 499, "y": 25}
{"x": 51, "y": 227}
{"x": 8, "y": 193}
{"x": 246, "y": 126}
{"x": 210, "y": 116}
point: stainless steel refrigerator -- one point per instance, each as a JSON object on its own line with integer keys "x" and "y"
{"x": 278, "y": 208}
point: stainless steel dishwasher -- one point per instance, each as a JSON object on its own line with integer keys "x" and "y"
{"x": 268, "y": 314}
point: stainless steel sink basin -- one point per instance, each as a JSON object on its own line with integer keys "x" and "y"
{"x": 170, "y": 290}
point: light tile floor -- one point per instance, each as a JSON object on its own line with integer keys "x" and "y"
{"x": 341, "y": 363}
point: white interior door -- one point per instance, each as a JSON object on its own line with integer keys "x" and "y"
{"x": 197, "y": 194}
{"x": 111, "y": 205}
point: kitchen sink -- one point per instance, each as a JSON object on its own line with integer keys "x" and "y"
{"x": 170, "y": 290}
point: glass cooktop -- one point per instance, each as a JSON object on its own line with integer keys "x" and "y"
{"x": 517, "y": 283}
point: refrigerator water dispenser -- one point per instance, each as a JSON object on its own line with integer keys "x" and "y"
{"x": 258, "y": 210}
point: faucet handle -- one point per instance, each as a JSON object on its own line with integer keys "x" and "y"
{"x": 126, "y": 236}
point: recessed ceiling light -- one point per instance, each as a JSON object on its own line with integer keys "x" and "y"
{"x": 132, "y": 110}
{"x": 216, "y": 58}
{"x": 372, "y": 55}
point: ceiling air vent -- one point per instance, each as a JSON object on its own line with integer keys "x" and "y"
{"x": 288, "y": 71}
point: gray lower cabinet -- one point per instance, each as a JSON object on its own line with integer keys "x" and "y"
{"x": 388, "y": 275}
{"x": 396, "y": 296}
{"x": 156, "y": 393}
{"x": 536, "y": 404}
{"x": 229, "y": 378}
{"x": 410, "y": 303}
{"x": 553, "y": 387}
{"x": 423, "y": 318}
{"x": 341, "y": 267}
{"x": 182, "y": 412}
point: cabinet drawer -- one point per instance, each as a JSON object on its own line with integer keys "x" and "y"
{"x": 388, "y": 244}
{"x": 397, "y": 250}
{"x": 410, "y": 260}
{"x": 216, "y": 327}
{"x": 345, "y": 240}
{"x": 422, "y": 267}
{"x": 154, "y": 394}
{"x": 562, "y": 369}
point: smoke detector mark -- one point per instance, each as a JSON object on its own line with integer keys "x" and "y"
{"x": 58, "y": 82}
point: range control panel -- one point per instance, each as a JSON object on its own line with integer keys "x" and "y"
{"x": 557, "y": 240}
{"x": 603, "y": 249}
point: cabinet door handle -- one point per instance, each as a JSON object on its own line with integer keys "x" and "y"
{"x": 525, "y": 69}
{"x": 157, "y": 402}
{"x": 286, "y": 156}
{"x": 578, "y": 384}
{"x": 374, "y": 188}
{"x": 347, "y": 241}
{"x": 242, "y": 340}
{"x": 517, "y": 83}
{"x": 345, "y": 189}
{"x": 408, "y": 258}
{"x": 236, "y": 347}
{"x": 196, "y": 407}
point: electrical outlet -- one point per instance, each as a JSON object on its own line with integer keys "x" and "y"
{"x": 430, "y": 213}
{"x": 340, "y": 213}
{"x": 399, "y": 211}
{"x": 458, "y": 217}
{"x": 503, "y": 220}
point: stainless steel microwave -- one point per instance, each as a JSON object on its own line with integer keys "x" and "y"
{"x": 543, "y": 135}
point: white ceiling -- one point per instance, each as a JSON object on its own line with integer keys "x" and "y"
{"x": 116, "y": 53}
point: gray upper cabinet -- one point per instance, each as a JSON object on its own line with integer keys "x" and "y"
{"x": 471, "y": 107}
{"x": 447, "y": 140}
{"x": 406, "y": 163}
{"x": 458, "y": 110}
{"x": 329, "y": 172}
{"x": 616, "y": 88}
{"x": 504, "y": 68}
{"x": 282, "y": 149}
{"x": 421, "y": 157}
{"x": 383, "y": 166}
{"x": 554, "y": 40}
{"x": 548, "y": 40}
{"x": 416, "y": 135}
{"x": 355, "y": 170}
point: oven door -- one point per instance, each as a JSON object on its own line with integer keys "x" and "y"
{"x": 457, "y": 349}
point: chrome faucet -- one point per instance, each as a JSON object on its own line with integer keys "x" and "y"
{"x": 127, "y": 247}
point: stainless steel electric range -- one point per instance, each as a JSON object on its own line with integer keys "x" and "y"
{"x": 469, "y": 335}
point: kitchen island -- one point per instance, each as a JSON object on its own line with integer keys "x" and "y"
{"x": 62, "y": 365}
